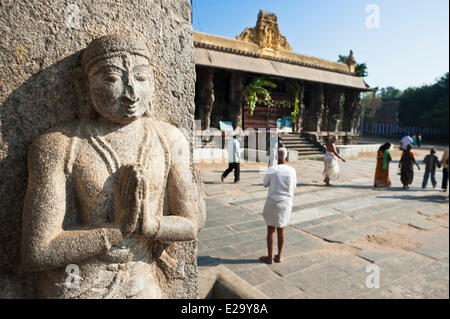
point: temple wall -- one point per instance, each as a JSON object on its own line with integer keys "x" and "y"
{"x": 41, "y": 44}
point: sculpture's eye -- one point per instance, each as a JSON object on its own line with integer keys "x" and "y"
{"x": 141, "y": 77}
{"x": 111, "y": 78}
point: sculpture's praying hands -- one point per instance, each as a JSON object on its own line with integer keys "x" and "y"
{"x": 129, "y": 198}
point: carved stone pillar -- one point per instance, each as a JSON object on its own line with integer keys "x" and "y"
{"x": 302, "y": 114}
{"x": 326, "y": 111}
{"x": 333, "y": 107}
{"x": 206, "y": 96}
{"x": 301, "y": 105}
{"x": 42, "y": 87}
{"x": 313, "y": 107}
{"x": 352, "y": 110}
{"x": 236, "y": 88}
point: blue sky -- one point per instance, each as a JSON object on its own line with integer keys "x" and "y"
{"x": 410, "y": 47}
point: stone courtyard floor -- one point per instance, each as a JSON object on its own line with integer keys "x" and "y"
{"x": 334, "y": 233}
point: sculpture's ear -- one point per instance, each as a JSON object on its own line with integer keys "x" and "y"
{"x": 80, "y": 85}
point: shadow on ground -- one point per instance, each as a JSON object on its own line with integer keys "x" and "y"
{"x": 439, "y": 199}
{"x": 210, "y": 261}
{"x": 242, "y": 171}
{"x": 393, "y": 189}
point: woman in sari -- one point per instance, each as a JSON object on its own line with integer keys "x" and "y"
{"x": 382, "y": 171}
{"x": 406, "y": 165}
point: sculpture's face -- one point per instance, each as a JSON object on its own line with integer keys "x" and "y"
{"x": 121, "y": 88}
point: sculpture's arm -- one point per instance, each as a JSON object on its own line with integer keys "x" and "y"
{"x": 184, "y": 220}
{"x": 45, "y": 245}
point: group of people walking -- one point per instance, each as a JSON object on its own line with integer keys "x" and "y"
{"x": 406, "y": 166}
{"x": 281, "y": 179}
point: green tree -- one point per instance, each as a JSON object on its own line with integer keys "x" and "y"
{"x": 254, "y": 90}
{"x": 426, "y": 106}
{"x": 390, "y": 92}
{"x": 370, "y": 103}
{"x": 294, "y": 90}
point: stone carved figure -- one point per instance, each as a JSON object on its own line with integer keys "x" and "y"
{"x": 108, "y": 193}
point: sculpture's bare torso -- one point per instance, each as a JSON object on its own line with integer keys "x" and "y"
{"x": 145, "y": 149}
{"x": 129, "y": 266}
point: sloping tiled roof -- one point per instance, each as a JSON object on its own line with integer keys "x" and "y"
{"x": 219, "y": 52}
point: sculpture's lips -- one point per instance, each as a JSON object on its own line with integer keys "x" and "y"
{"x": 130, "y": 108}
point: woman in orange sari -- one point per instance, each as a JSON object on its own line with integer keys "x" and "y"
{"x": 382, "y": 171}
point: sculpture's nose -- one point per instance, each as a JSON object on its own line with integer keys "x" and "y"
{"x": 128, "y": 98}
{"x": 129, "y": 95}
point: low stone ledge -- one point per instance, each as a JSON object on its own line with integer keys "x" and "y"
{"x": 219, "y": 282}
{"x": 354, "y": 150}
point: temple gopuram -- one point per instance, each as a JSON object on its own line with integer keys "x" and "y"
{"x": 328, "y": 93}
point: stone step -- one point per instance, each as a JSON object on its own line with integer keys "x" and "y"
{"x": 294, "y": 141}
{"x": 283, "y": 139}
{"x": 293, "y": 145}
{"x": 303, "y": 150}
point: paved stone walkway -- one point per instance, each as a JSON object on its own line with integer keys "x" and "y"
{"x": 334, "y": 234}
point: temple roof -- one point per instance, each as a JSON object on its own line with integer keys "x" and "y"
{"x": 226, "y": 53}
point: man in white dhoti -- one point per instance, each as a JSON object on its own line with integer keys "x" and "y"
{"x": 281, "y": 180}
{"x": 331, "y": 171}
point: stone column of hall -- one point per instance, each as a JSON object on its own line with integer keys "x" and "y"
{"x": 352, "y": 110}
{"x": 324, "y": 119}
{"x": 314, "y": 105}
{"x": 326, "y": 110}
{"x": 332, "y": 101}
{"x": 206, "y": 96}
{"x": 301, "y": 114}
{"x": 235, "y": 94}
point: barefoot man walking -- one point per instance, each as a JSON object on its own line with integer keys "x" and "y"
{"x": 331, "y": 170}
{"x": 281, "y": 180}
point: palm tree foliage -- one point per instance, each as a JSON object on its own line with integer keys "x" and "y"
{"x": 360, "y": 68}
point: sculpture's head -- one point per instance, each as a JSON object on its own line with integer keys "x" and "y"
{"x": 119, "y": 77}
